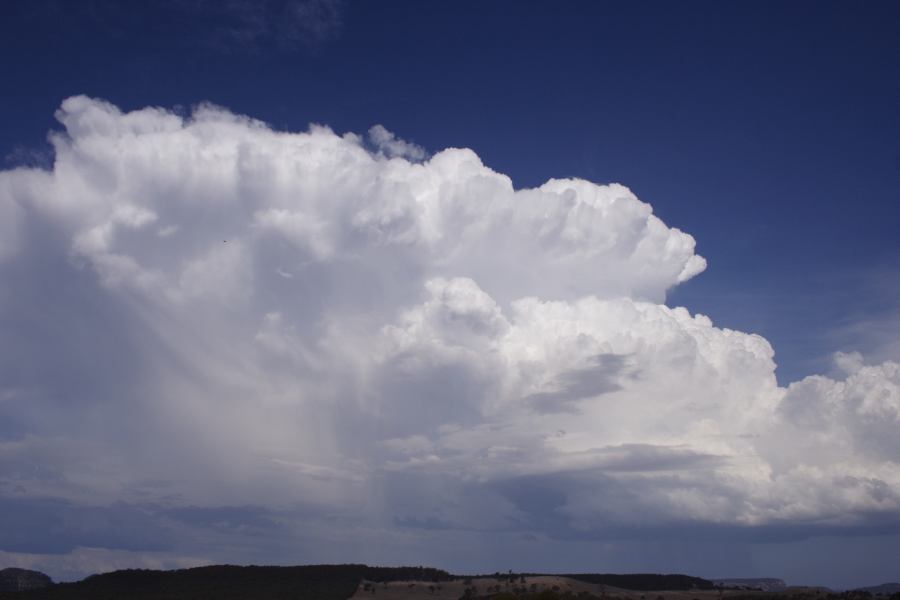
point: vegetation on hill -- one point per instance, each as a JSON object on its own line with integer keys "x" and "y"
{"x": 340, "y": 582}
{"x": 14, "y": 580}
{"x": 885, "y": 589}
{"x": 226, "y": 582}
{"x": 632, "y": 581}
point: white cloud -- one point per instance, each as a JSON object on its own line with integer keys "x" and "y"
{"x": 391, "y": 146}
{"x": 10, "y": 226}
{"x": 209, "y": 312}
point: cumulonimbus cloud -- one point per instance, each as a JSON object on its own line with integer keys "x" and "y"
{"x": 206, "y": 312}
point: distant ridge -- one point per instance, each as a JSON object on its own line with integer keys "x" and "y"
{"x": 227, "y": 582}
{"x": 885, "y": 589}
{"x": 312, "y": 582}
{"x": 765, "y": 584}
{"x": 362, "y": 582}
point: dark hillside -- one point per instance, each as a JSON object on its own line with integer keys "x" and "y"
{"x": 14, "y": 580}
{"x": 225, "y": 582}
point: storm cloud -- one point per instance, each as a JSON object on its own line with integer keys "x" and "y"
{"x": 243, "y": 342}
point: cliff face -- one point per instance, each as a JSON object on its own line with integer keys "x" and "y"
{"x": 15, "y": 580}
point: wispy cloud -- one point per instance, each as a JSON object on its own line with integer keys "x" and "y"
{"x": 226, "y": 26}
{"x": 242, "y": 25}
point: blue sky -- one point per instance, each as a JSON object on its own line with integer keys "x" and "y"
{"x": 767, "y": 131}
